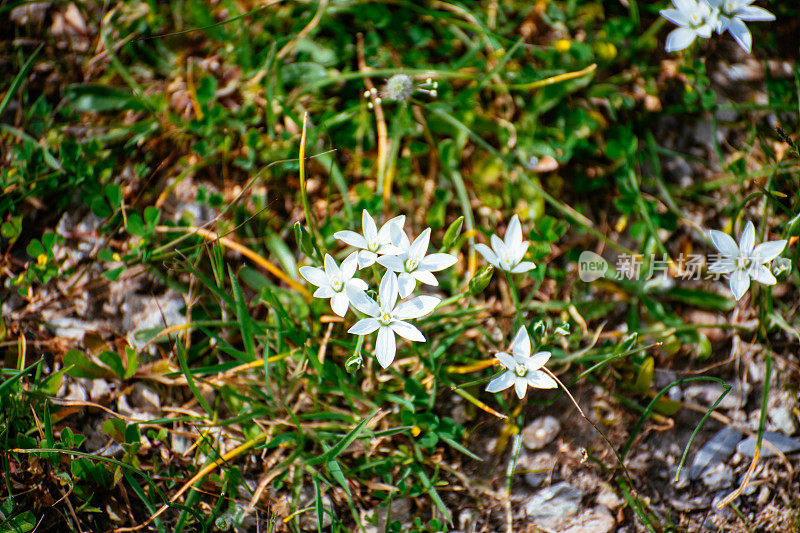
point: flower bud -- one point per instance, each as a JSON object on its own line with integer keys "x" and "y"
{"x": 481, "y": 280}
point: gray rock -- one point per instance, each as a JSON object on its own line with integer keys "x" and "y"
{"x": 716, "y": 450}
{"x": 552, "y": 506}
{"x": 597, "y": 520}
{"x": 540, "y": 432}
{"x": 779, "y": 440}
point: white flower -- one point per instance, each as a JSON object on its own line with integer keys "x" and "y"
{"x": 732, "y": 13}
{"x": 336, "y": 283}
{"x": 374, "y": 242}
{"x": 507, "y": 254}
{"x": 388, "y": 318}
{"x": 695, "y": 18}
{"x": 522, "y": 368}
{"x": 413, "y": 265}
{"x": 746, "y": 260}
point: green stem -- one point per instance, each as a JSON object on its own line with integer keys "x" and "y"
{"x": 512, "y": 288}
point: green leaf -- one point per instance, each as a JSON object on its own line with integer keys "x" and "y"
{"x": 151, "y": 216}
{"x": 131, "y": 362}
{"x": 79, "y": 366}
{"x": 18, "y": 80}
{"x": 135, "y": 225}
{"x": 35, "y": 248}
{"x": 335, "y": 469}
{"x": 115, "y": 428}
{"x": 243, "y": 318}
{"x": 114, "y": 195}
{"x": 113, "y": 361}
{"x": 345, "y": 442}
{"x": 98, "y": 98}
{"x": 701, "y": 299}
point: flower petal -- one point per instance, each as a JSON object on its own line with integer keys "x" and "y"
{"x": 406, "y": 284}
{"x": 385, "y": 346}
{"x": 366, "y": 258}
{"x": 767, "y": 251}
{"x": 523, "y": 267}
{"x": 723, "y": 266}
{"x": 513, "y": 236}
{"x": 420, "y": 245}
{"x": 352, "y": 238}
{"x": 368, "y": 227}
{"x": 340, "y": 303}
{"x": 364, "y": 326}
{"x": 521, "y": 345}
{"x": 518, "y": 252}
{"x": 540, "y": 380}
{"x": 680, "y": 38}
{"x": 349, "y": 266}
{"x": 748, "y": 239}
{"x": 761, "y": 274}
{"x": 506, "y": 360}
{"x": 387, "y": 292}
{"x": 501, "y": 382}
{"x": 355, "y": 285}
{"x": 425, "y": 277}
{"x": 724, "y": 243}
{"x": 754, "y": 13}
{"x": 365, "y": 304}
{"x": 392, "y": 262}
{"x": 331, "y": 268}
{"x": 538, "y": 360}
{"x": 487, "y": 254}
{"x": 739, "y": 283}
{"x": 740, "y": 34}
{"x": 324, "y": 292}
{"x": 520, "y": 385}
{"x": 499, "y": 247}
{"x": 416, "y": 307}
{"x": 315, "y": 276}
{"x": 407, "y": 331}
{"x": 675, "y": 16}
{"x": 393, "y": 225}
{"x": 436, "y": 262}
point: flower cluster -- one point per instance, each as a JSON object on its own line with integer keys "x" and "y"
{"x": 699, "y": 18}
{"x": 406, "y": 263}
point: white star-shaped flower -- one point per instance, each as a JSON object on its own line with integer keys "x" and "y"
{"x": 374, "y": 241}
{"x": 745, "y": 260}
{"x": 413, "y": 265}
{"x": 522, "y": 368}
{"x": 389, "y": 318}
{"x": 695, "y": 18}
{"x": 337, "y": 283}
{"x": 507, "y": 254}
{"x": 733, "y": 13}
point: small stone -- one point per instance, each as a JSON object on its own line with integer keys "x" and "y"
{"x": 607, "y": 497}
{"x": 99, "y": 390}
{"x": 782, "y": 418}
{"x": 597, "y": 520}
{"x": 540, "y": 432}
{"x": 717, "y": 477}
{"x": 550, "y": 507}
{"x": 708, "y": 394}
